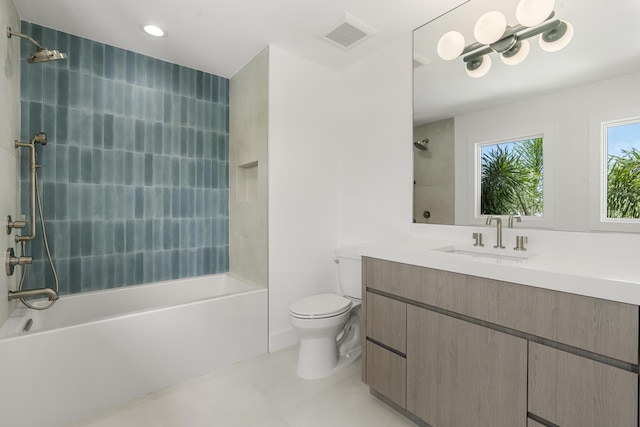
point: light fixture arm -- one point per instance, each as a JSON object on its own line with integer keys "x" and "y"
{"x": 510, "y": 37}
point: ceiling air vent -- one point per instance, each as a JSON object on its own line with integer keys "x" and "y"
{"x": 349, "y": 32}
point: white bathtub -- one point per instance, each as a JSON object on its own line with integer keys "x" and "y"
{"x": 95, "y": 350}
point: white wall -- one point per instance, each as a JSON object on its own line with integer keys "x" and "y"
{"x": 305, "y": 133}
{"x": 9, "y": 131}
{"x": 339, "y": 168}
{"x": 375, "y": 193}
{"x": 566, "y": 115}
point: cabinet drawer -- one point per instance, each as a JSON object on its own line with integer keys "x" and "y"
{"x": 387, "y": 321}
{"x": 573, "y": 391}
{"x": 387, "y": 373}
{"x": 599, "y": 326}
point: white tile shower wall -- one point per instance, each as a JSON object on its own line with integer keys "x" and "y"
{"x": 248, "y": 165}
{"x": 9, "y": 131}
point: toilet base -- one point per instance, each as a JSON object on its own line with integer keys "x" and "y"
{"x": 314, "y": 372}
{"x": 347, "y": 359}
{"x": 325, "y": 352}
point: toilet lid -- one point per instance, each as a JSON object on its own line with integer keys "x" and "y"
{"x": 318, "y": 306}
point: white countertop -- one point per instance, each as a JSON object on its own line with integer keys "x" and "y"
{"x": 611, "y": 278}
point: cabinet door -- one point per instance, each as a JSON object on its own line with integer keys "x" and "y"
{"x": 387, "y": 373}
{"x": 570, "y": 390}
{"x": 462, "y": 374}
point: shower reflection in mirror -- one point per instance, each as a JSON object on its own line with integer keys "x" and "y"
{"x": 434, "y": 177}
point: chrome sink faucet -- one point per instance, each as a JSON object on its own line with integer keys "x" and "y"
{"x": 498, "y": 221}
{"x": 518, "y": 218}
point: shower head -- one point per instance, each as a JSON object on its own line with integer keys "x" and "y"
{"x": 42, "y": 54}
{"x": 45, "y": 55}
{"x": 421, "y": 145}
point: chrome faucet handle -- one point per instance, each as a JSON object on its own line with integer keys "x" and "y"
{"x": 478, "y": 239}
{"x": 518, "y": 218}
{"x": 520, "y": 242}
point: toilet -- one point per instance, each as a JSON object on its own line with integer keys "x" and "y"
{"x": 329, "y": 324}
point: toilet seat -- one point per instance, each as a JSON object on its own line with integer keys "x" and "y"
{"x": 320, "y": 306}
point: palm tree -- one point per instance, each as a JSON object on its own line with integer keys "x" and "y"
{"x": 512, "y": 179}
{"x": 623, "y": 185}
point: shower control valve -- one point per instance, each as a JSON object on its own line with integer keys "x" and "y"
{"x": 10, "y": 261}
{"x": 21, "y": 223}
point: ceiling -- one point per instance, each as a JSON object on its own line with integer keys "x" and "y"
{"x": 221, "y": 36}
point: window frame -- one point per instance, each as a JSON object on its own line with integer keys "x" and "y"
{"x": 599, "y": 125}
{"x": 543, "y": 131}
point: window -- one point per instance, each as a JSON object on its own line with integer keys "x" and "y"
{"x": 511, "y": 177}
{"x": 621, "y": 143}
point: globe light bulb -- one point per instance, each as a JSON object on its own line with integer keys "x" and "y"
{"x": 533, "y": 12}
{"x": 450, "y": 45}
{"x": 522, "y": 50}
{"x": 479, "y": 67}
{"x": 490, "y": 27}
{"x": 555, "y": 40}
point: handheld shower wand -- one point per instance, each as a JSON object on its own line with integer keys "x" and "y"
{"x": 39, "y": 138}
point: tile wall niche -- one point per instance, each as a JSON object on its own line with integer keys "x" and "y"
{"x": 134, "y": 178}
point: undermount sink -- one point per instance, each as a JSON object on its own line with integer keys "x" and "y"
{"x": 488, "y": 254}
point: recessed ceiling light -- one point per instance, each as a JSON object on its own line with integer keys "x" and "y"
{"x": 155, "y": 31}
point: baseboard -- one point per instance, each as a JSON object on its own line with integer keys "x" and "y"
{"x": 283, "y": 339}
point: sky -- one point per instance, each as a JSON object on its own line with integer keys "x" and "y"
{"x": 624, "y": 137}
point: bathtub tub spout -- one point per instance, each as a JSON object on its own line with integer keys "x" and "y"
{"x": 48, "y": 292}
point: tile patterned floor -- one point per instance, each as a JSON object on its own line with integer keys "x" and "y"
{"x": 264, "y": 392}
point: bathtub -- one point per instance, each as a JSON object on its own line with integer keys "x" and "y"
{"x": 94, "y": 350}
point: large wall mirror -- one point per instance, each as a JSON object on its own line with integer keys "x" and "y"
{"x": 518, "y": 88}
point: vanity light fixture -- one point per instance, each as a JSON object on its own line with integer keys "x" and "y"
{"x": 492, "y": 34}
{"x": 154, "y": 30}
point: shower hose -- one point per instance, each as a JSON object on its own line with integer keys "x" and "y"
{"x": 46, "y": 246}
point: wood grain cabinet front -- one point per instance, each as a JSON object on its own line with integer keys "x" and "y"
{"x": 387, "y": 373}
{"x": 454, "y": 350}
{"x": 386, "y": 347}
{"x": 572, "y": 391}
{"x": 387, "y": 321}
{"x": 461, "y": 374}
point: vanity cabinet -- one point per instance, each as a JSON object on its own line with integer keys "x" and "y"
{"x": 574, "y": 391}
{"x": 462, "y": 374}
{"x": 386, "y": 347}
{"x": 482, "y": 352}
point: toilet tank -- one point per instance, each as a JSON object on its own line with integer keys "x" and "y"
{"x": 349, "y": 272}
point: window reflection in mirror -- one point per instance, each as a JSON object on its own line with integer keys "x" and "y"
{"x": 622, "y": 145}
{"x": 511, "y": 177}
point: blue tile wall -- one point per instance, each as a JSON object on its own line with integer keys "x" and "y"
{"x": 134, "y": 178}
